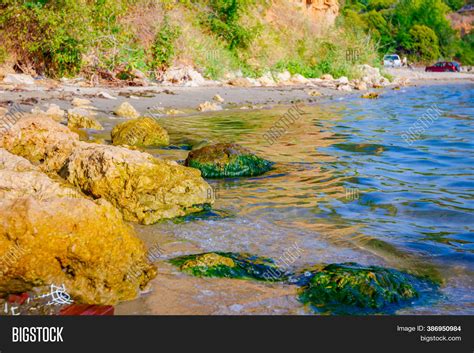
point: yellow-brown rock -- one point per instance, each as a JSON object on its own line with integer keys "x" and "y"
{"x": 126, "y": 110}
{"x": 140, "y": 132}
{"x": 41, "y": 140}
{"x": 81, "y": 118}
{"x": 144, "y": 188}
{"x": 19, "y": 178}
{"x": 54, "y": 235}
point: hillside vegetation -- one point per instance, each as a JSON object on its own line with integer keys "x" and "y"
{"x": 419, "y": 29}
{"x": 68, "y": 37}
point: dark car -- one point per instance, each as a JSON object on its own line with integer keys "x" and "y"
{"x": 444, "y": 66}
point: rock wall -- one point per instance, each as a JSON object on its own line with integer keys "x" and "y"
{"x": 323, "y": 12}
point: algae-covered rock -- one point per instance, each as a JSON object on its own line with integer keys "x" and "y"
{"x": 51, "y": 234}
{"x": 82, "y": 119}
{"x": 140, "y": 132}
{"x": 371, "y": 95}
{"x": 144, "y": 188}
{"x": 227, "y": 160}
{"x": 41, "y": 140}
{"x": 338, "y": 286}
{"x": 126, "y": 110}
{"x": 229, "y": 265}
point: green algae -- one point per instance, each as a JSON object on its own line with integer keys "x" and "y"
{"x": 342, "y": 287}
{"x": 229, "y": 265}
{"x": 227, "y": 160}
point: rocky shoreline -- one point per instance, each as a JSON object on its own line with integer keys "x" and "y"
{"x": 65, "y": 203}
{"x": 64, "y": 206}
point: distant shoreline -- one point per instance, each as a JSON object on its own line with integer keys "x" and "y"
{"x": 148, "y": 99}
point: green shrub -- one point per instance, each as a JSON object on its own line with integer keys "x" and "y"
{"x": 163, "y": 49}
{"x": 52, "y": 36}
{"x": 424, "y": 43}
{"x": 3, "y": 55}
{"x": 224, "y": 21}
{"x": 465, "y": 51}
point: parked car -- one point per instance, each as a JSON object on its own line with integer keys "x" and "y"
{"x": 444, "y": 66}
{"x": 392, "y": 60}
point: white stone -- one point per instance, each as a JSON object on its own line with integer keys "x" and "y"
{"x": 267, "y": 79}
{"x": 283, "y": 76}
{"x": 297, "y": 78}
{"x": 343, "y": 80}
{"x": 19, "y": 79}
{"x": 208, "y": 106}
{"x": 182, "y": 75}
{"x": 345, "y": 88}
{"x": 106, "y": 95}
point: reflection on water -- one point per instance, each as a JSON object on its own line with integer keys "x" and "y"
{"x": 347, "y": 187}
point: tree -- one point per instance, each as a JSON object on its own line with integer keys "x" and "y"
{"x": 424, "y": 43}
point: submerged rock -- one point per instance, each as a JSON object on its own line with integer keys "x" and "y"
{"x": 126, "y": 110}
{"x": 228, "y": 265}
{"x": 337, "y": 287}
{"x": 51, "y": 234}
{"x": 227, "y": 160}
{"x": 80, "y": 118}
{"x": 140, "y": 132}
{"x": 370, "y": 95}
{"x": 41, "y": 140}
{"x": 144, "y": 188}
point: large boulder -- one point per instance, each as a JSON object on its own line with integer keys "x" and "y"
{"x": 345, "y": 287}
{"x": 227, "y": 160}
{"x": 51, "y": 234}
{"x": 41, "y": 140}
{"x": 140, "y": 132}
{"x": 144, "y": 188}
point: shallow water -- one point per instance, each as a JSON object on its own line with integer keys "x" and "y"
{"x": 347, "y": 187}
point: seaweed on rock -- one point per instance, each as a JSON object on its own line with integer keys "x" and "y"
{"x": 229, "y": 265}
{"x": 227, "y": 160}
{"x": 350, "y": 287}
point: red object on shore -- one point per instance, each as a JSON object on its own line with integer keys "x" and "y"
{"x": 17, "y": 298}
{"x": 86, "y": 310}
